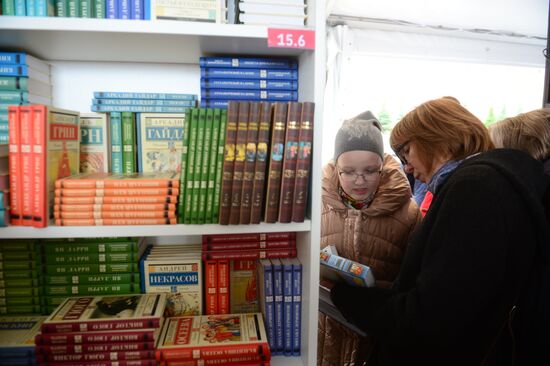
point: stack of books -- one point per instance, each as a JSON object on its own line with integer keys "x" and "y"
{"x": 24, "y": 79}
{"x": 269, "y": 12}
{"x": 17, "y": 335}
{"x": 103, "y": 330}
{"x": 252, "y": 79}
{"x": 116, "y": 199}
{"x": 214, "y": 339}
{"x": 4, "y": 187}
{"x": 21, "y": 277}
{"x": 249, "y": 246}
{"x": 177, "y": 271}
{"x": 90, "y": 266}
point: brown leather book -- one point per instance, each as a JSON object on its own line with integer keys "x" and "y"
{"x": 289, "y": 161}
{"x": 238, "y": 170}
{"x": 262, "y": 154}
{"x": 275, "y": 162}
{"x": 228, "y": 161}
{"x": 249, "y": 162}
{"x": 303, "y": 163}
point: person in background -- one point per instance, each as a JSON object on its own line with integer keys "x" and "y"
{"x": 368, "y": 214}
{"x": 459, "y": 293}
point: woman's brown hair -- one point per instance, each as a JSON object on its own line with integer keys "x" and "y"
{"x": 441, "y": 126}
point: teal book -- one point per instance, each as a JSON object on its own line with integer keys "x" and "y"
{"x": 115, "y": 127}
{"x": 98, "y": 9}
{"x": 128, "y": 143}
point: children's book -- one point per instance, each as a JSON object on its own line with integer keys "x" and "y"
{"x": 337, "y": 268}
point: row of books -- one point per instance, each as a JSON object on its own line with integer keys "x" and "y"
{"x": 226, "y": 78}
{"x": 24, "y": 79}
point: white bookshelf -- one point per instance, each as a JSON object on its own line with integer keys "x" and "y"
{"x": 99, "y": 54}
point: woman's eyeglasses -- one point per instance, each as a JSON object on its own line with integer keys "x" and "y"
{"x": 368, "y": 176}
{"x": 402, "y": 151}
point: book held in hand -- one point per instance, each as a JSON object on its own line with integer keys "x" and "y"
{"x": 337, "y": 268}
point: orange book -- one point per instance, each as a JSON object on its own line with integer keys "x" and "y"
{"x": 99, "y": 192}
{"x": 16, "y": 193}
{"x": 114, "y": 214}
{"x": 112, "y": 180}
{"x": 56, "y": 151}
{"x": 26, "y": 161}
{"x": 114, "y": 207}
{"x": 101, "y": 222}
{"x": 115, "y": 200}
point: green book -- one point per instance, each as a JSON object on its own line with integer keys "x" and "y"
{"x": 20, "y": 265}
{"x": 183, "y": 165}
{"x": 8, "y": 7}
{"x": 61, "y": 8}
{"x": 204, "y": 166}
{"x": 23, "y": 300}
{"x": 191, "y": 165}
{"x": 219, "y": 167}
{"x": 16, "y": 245}
{"x": 19, "y": 256}
{"x": 53, "y": 300}
{"x": 212, "y": 165}
{"x": 128, "y": 143}
{"x": 91, "y": 258}
{"x": 100, "y": 246}
{"x": 13, "y": 83}
{"x": 100, "y": 289}
{"x": 198, "y": 166}
{"x": 20, "y": 282}
{"x": 18, "y": 274}
{"x": 19, "y": 291}
{"x": 73, "y": 9}
{"x": 21, "y": 309}
{"x": 85, "y": 8}
{"x": 92, "y": 279}
{"x": 115, "y": 128}
{"x": 90, "y": 268}
{"x": 99, "y": 9}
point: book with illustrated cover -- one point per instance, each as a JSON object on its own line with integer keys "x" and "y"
{"x": 243, "y": 286}
{"x": 303, "y": 163}
{"x": 238, "y": 167}
{"x": 249, "y": 163}
{"x": 337, "y": 268}
{"x": 94, "y": 143}
{"x": 101, "y": 313}
{"x": 213, "y": 337}
{"x": 17, "y": 335}
{"x": 228, "y": 162}
{"x": 160, "y": 141}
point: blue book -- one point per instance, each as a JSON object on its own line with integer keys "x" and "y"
{"x": 266, "y": 298}
{"x": 214, "y": 103}
{"x": 111, "y": 12}
{"x": 4, "y": 137}
{"x": 123, "y": 7}
{"x": 29, "y": 8}
{"x": 23, "y": 70}
{"x": 138, "y": 95}
{"x": 239, "y": 73}
{"x": 115, "y": 127}
{"x": 288, "y": 310}
{"x": 249, "y": 84}
{"x": 4, "y": 126}
{"x": 44, "y": 8}
{"x": 147, "y": 9}
{"x": 235, "y": 94}
{"x": 137, "y": 108}
{"x": 17, "y": 335}
{"x": 248, "y": 62}
{"x": 4, "y": 216}
{"x": 278, "y": 301}
{"x": 20, "y": 8}
{"x": 297, "y": 305}
{"x": 145, "y": 102}
{"x": 136, "y": 9}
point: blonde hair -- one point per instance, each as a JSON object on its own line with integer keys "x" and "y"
{"x": 441, "y": 125}
{"x": 528, "y": 132}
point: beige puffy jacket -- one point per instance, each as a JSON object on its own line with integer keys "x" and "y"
{"x": 376, "y": 236}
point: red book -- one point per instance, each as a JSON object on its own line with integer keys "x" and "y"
{"x": 249, "y": 163}
{"x": 210, "y": 287}
{"x": 289, "y": 162}
{"x": 106, "y": 363}
{"x": 303, "y": 164}
{"x": 213, "y": 337}
{"x": 221, "y": 238}
{"x": 228, "y": 162}
{"x": 14, "y": 159}
{"x": 226, "y": 361}
{"x": 262, "y": 154}
{"x": 97, "y": 356}
{"x": 102, "y": 313}
{"x": 223, "y": 286}
{"x": 275, "y": 163}
{"x": 94, "y": 338}
{"x": 250, "y": 254}
{"x": 26, "y": 163}
{"x": 92, "y": 348}
{"x": 238, "y": 168}
{"x": 238, "y": 245}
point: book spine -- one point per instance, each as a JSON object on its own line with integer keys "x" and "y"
{"x": 8, "y": 7}
{"x": 91, "y": 326}
{"x": 210, "y": 289}
{"x": 297, "y": 305}
{"x": 240, "y": 74}
{"x": 213, "y": 157}
{"x": 114, "y": 214}
{"x": 144, "y": 102}
{"x": 248, "y": 62}
{"x": 14, "y": 160}
{"x": 199, "y": 147}
{"x": 190, "y": 173}
{"x": 245, "y": 94}
{"x": 303, "y": 162}
{"x": 59, "y": 269}
{"x": 92, "y": 279}
{"x": 261, "y": 163}
{"x": 183, "y": 165}
{"x": 84, "y": 258}
{"x": 222, "y": 238}
{"x": 95, "y": 356}
{"x": 123, "y": 9}
{"x": 115, "y": 222}
{"x": 115, "y": 207}
{"x": 137, "y": 108}
{"x": 116, "y": 200}
{"x": 111, "y": 11}
{"x": 249, "y": 163}
{"x": 238, "y": 168}
{"x": 248, "y": 245}
{"x": 288, "y": 316}
{"x": 67, "y": 349}
{"x": 61, "y": 8}
{"x": 249, "y": 84}
{"x": 128, "y": 143}
{"x": 115, "y": 126}
{"x": 214, "y": 352}
{"x": 99, "y": 9}
{"x": 228, "y": 162}
{"x": 98, "y": 192}
{"x": 117, "y": 183}
{"x": 219, "y": 167}
{"x": 250, "y": 254}
{"x": 87, "y": 338}
{"x": 136, "y": 9}
{"x": 85, "y": 8}
{"x": 73, "y": 9}
{"x": 209, "y": 116}
{"x": 269, "y": 314}
{"x": 275, "y": 162}
{"x": 289, "y": 162}
{"x": 85, "y": 290}
{"x": 223, "y": 286}
{"x": 132, "y": 95}
{"x": 278, "y": 302}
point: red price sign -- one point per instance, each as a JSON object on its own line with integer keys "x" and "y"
{"x": 291, "y": 38}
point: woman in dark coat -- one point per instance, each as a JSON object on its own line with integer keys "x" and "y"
{"x": 461, "y": 281}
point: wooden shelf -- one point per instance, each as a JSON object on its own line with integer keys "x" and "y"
{"x": 80, "y": 39}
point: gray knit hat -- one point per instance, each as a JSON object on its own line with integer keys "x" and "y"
{"x": 362, "y": 132}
